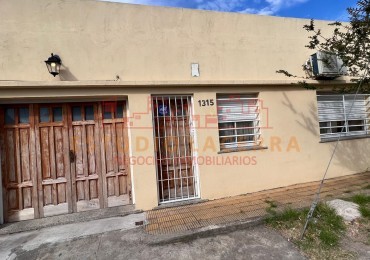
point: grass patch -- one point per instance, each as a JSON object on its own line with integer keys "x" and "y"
{"x": 326, "y": 229}
{"x": 322, "y": 236}
{"x": 271, "y": 209}
{"x": 328, "y": 238}
{"x": 367, "y": 187}
{"x": 327, "y": 226}
{"x": 272, "y": 204}
{"x": 365, "y": 212}
{"x": 360, "y": 199}
{"x": 284, "y": 218}
{"x": 363, "y": 201}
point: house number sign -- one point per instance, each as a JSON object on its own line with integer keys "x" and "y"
{"x": 206, "y": 102}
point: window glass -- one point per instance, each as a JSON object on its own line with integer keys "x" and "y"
{"x": 245, "y": 131}
{"x": 226, "y": 129}
{"x": 57, "y": 114}
{"x": 337, "y": 126}
{"x": 89, "y": 113}
{"x": 179, "y": 109}
{"x": 325, "y": 128}
{"x": 44, "y": 114}
{"x": 108, "y": 108}
{"x": 227, "y": 132}
{"x": 119, "y": 110}
{"x": 355, "y": 125}
{"x": 9, "y": 116}
{"x": 107, "y": 115}
{"x": 76, "y": 113}
{"x": 24, "y": 115}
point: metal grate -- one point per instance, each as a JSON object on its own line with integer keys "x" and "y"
{"x": 238, "y": 121}
{"x": 335, "y": 117}
{"x": 176, "y": 169}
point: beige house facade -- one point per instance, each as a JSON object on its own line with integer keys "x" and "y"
{"x": 157, "y": 105}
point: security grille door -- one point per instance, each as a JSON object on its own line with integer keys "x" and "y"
{"x": 176, "y": 169}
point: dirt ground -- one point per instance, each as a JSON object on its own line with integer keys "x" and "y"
{"x": 357, "y": 239}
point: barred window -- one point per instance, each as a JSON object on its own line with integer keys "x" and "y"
{"x": 238, "y": 121}
{"x": 336, "y": 115}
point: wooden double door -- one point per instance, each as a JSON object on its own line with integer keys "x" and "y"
{"x": 63, "y": 158}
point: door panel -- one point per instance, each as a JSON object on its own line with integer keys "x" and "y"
{"x": 86, "y": 169}
{"x": 52, "y": 159}
{"x": 115, "y": 170}
{"x": 18, "y": 163}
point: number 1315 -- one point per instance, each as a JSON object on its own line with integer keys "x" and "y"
{"x": 206, "y": 102}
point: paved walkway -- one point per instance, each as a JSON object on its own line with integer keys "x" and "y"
{"x": 32, "y": 240}
{"x": 257, "y": 242}
{"x": 249, "y": 206}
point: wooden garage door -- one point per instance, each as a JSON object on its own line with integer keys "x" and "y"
{"x": 53, "y": 171}
{"x": 85, "y": 157}
{"x": 18, "y": 152}
{"x": 63, "y": 158}
{"x": 114, "y": 149}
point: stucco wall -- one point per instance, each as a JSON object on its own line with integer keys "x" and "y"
{"x": 290, "y": 131}
{"x": 294, "y": 154}
{"x": 99, "y": 40}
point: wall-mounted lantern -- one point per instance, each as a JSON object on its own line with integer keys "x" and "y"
{"x": 53, "y": 64}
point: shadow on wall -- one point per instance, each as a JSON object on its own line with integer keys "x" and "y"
{"x": 66, "y": 75}
{"x": 352, "y": 155}
{"x": 308, "y": 122}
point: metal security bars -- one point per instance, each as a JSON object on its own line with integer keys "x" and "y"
{"x": 175, "y": 160}
{"x": 238, "y": 121}
{"x": 335, "y": 115}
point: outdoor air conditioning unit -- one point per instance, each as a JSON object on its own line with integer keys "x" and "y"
{"x": 325, "y": 65}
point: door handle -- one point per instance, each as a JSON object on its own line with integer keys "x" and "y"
{"x": 72, "y": 156}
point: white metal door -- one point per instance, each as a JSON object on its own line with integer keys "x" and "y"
{"x": 174, "y": 142}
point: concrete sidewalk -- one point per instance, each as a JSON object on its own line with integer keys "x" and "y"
{"x": 244, "y": 208}
{"x": 257, "y": 242}
{"x": 32, "y": 240}
{"x": 85, "y": 216}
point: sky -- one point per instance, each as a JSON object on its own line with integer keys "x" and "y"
{"x": 316, "y": 9}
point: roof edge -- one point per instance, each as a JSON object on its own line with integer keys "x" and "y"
{"x": 122, "y": 84}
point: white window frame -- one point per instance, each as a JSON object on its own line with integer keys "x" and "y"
{"x": 238, "y": 109}
{"x": 339, "y": 118}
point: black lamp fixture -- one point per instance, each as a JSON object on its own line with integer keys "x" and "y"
{"x": 53, "y": 64}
